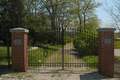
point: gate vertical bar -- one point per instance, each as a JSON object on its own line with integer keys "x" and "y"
{"x": 8, "y": 57}
{"x": 62, "y": 48}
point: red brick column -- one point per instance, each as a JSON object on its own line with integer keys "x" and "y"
{"x": 19, "y": 49}
{"x": 106, "y": 51}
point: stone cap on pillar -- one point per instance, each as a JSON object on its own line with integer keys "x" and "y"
{"x": 19, "y": 30}
{"x": 106, "y": 29}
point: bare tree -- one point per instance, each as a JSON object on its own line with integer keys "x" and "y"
{"x": 114, "y": 12}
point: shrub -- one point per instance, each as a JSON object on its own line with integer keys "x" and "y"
{"x": 86, "y": 44}
{"x": 67, "y": 40}
{"x": 43, "y": 36}
{"x": 58, "y": 39}
{"x": 80, "y": 45}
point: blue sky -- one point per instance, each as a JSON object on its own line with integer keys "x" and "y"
{"x": 102, "y": 14}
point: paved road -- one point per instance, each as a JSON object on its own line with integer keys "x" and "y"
{"x": 117, "y": 52}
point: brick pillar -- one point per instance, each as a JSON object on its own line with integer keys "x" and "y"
{"x": 106, "y": 51}
{"x": 19, "y": 49}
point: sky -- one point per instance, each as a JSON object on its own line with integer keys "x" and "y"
{"x": 102, "y": 14}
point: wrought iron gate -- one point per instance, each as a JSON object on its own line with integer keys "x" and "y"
{"x": 61, "y": 48}
{"x": 6, "y": 39}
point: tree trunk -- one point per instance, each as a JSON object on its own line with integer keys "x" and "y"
{"x": 80, "y": 23}
{"x": 53, "y": 26}
{"x": 84, "y": 21}
{"x": 53, "y": 23}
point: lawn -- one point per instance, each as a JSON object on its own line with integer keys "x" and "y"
{"x": 3, "y": 55}
{"x": 117, "y": 57}
{"x": 39, "y": 55}
{"x": 117, "y": 44}
{"x": 94, "y": 59}
{"x": 91, "y": 59}
{"x": 34, "y": 56}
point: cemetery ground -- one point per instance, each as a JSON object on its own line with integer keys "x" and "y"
{"x": 20, "y": 75}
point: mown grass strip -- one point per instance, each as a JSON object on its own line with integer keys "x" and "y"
{"x": 116, "y": 44}
{"x": 94, "y": 59}
{"x": 117, "y": 57}
{"x": 37, "y": 56}
{"x": 91, "y": 59}
{"x": 51, "y": 49}
{"x": 3, "y": 55}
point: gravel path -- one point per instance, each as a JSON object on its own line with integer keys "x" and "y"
{"x": 70, "y": 55}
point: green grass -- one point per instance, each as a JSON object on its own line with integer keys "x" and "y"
{"x": 33, "y": 56}
{"x": 94, "y": 59}
{"x": 37, "y": 56}
{"x": 91, "y": 59}
{"x": 117, "y": 57}
{"x": 117, "y": 44}
{"x": 3, "y": 54}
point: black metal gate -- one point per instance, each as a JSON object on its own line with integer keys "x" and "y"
{"x": 63, "y": 47}
{"x": 5, "y": 41}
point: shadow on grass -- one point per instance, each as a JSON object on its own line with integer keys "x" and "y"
{"x": 2, "y": 58}
{"x": 4, "y": 45}
{"x": 77, "y": 54}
